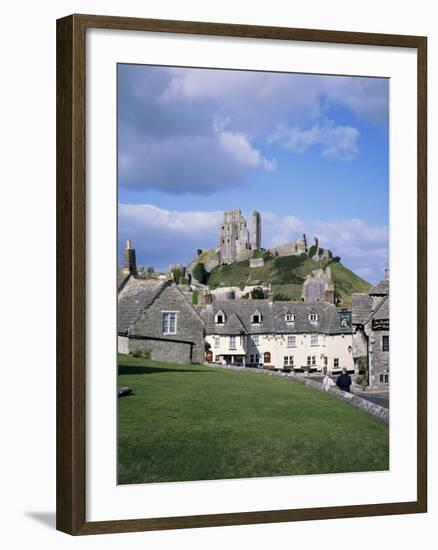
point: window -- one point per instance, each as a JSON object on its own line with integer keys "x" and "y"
{"x": 311, "y": 360}
{"x": 233, "y": 342}
{"x": 216, "y": 341}
{"x": 217, "y": 358}
{"x": 291, "y": 341}
{"x": 255, "y": 340}
{"x": 256, "y": 318}
{"x": 385, "y": 343}
{"x": 254, "y": 358}
{"x": 325, "y": 361}
{"x": 267, "y": 357}
{"x": 384, "y": 378}
{"x": 288, "y": 360}
{"x": 313, "y": 317}
{"x": 220, "y": 318}
{"x": 314, "y": 340}
{"x": 289, "y": 318}
{"x": 169, "y": 322}
{"x": 336, "y": 362}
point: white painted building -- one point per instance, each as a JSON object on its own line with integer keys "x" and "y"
{"x": 283, "y": 335}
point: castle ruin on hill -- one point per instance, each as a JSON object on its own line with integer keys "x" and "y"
{"x": 237, "y": 243}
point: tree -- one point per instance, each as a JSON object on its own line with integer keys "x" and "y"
{"x": 177, "y": 275}
{"x": 257, "y": 293}
{"x": 199, "y": 273}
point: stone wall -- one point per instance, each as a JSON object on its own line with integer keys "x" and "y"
{"x": 123, "y": 344}
{"x": 164, "y": 350}
{"x": 379, "y": 359}
{"x": 256, "y": 262}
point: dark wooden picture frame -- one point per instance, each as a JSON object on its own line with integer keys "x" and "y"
{"x": 71, "y": 271}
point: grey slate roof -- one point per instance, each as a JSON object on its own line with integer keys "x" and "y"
{"x": 135, "y": 297}
{"x": 122, "y": 279}
{"x": 361, "y": 305}
{"x": 273, "y": 317}
{"x": 382, "y": 310}
{"x": 243, "y": 310}
{"x": 380, "y": 289}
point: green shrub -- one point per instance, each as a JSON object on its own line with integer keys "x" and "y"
{"x": 199, "y": 273}
{"x": 177, "y": 275}
{"x": 280, "y": 297}
{"x": 312, "y": 251}
{"x": 267, "y": 255}
{"x": 184, "y": 281}
{"x": 195, "y": 297}
{"x": 146, "y": 354}
{"x": 257, "y": 293}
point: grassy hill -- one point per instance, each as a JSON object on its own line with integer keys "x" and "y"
{"x": 286, "y": 274}
{"x": 193, "y": 422}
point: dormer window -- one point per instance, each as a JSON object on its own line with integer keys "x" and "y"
{"x": 289, "y": 317}
{"x": 220, "y": 318}
{"x": 256, "y": 318}
{"x": 313, "y": 317}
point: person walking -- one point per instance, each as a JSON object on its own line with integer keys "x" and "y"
{"x": 328, "y": 381}
{"x": 344, "y": 381}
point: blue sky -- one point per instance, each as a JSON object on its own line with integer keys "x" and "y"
{"x": 310, "y": 152}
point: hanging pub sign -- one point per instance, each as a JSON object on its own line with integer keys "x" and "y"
{"x": 380, "y": 324}
{"x": 345, "y": 319}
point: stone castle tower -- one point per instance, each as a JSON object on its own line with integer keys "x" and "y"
{"x": 235, "y": 244}
{"x": 256, "y": 235}
{"x": 130, "y": 263}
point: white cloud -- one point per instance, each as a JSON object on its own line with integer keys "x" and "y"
{"x": 162, "y": 237}
{"x": 362, "y": 247}
{"x": 338, "y": 142}
{"x": 273, "y": 94}
{"x": 237, "y": 145}
{"x": 278, "y": 230}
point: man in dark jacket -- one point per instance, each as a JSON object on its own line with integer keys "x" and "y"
{"x": 344, "y": 381}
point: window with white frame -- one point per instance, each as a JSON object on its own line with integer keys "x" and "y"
{"x": 217, "y": 358}
{"x": 289, "y": 317}
{"x": 256, "y": 318}
{"x": 288, "y": 360}
{"x": 233, "y": 342}
{"x": 220, "y": 318}
{"x": 291, "y": 341}
{"x": 216, "y": 341}
{"x": 314, "y": 340}
{"x": 336, "y": 362}
{"x": 169, "y": 322}
{"x": 255, "y": 340}
{"x": 254, "y": 358}
{"x": 311, "y": 360}
{"x": 313, "y": 317}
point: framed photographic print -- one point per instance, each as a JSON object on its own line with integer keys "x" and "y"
{"x": 241, "y": 281}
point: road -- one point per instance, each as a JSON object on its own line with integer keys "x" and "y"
{"x": 381, "y": 398}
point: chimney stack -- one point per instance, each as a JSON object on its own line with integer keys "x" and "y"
{"x": 387, "y": 274}
{"x": 130, "y": 264}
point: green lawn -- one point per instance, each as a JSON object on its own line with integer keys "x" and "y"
{"x": 191, "y": 422}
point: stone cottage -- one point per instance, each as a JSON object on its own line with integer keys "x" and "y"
{"x": 154, "y": 316}
{"x": 370, "y": 318}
